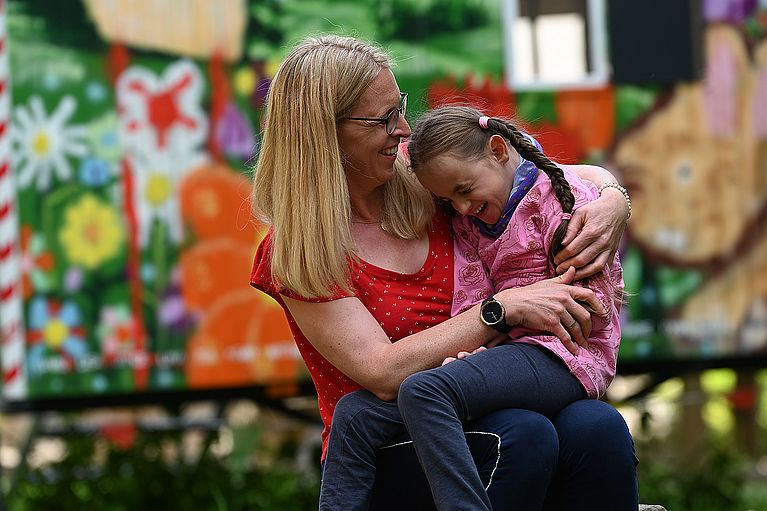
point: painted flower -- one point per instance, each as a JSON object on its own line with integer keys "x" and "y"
{"x": 43, "y": 144}
{"x": 92, "y": 232}
{"x": 55, "y": 329}
{"x": 36, "y": 263}
{"x": 167, "y": 106}
{"x": 732, "y": 11}
{"x": 155, "y": 194}
{"x": 258, "y": 98}
{"x": 173, "y": 311}
{"x": 73, "y": 279}
{"x": 104, "y": 139}
{"x": 96, "y": 92}
{"x": 118, "y": 332}
{"x": 234, "y": 133}
{"x": 244, "y": 81}
{"x": 95, "y": 172}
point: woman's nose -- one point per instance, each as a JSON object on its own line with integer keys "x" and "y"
{"x": 403, "y": 128}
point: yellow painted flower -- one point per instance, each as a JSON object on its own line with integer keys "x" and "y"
{"x": 158, "y": 189}
{"x": 244, "y": 81}
{"x": 92, "y": 232}
{"x": 55, "y": 333}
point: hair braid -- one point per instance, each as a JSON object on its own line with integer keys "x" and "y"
{"x": 559, "y": 184}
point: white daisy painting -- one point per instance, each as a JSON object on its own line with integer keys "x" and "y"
{"x": 43, "y": 144}
{"x": 157, "y": 173}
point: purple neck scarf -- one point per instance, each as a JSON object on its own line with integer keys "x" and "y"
{"x": 524, "y": 177}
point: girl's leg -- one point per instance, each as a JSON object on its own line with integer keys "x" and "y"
{"x": 436, "y": 403}
{"x": 362, "y": 424}
{"x": 597, "y": 464}
{"x": 514, "y": 451}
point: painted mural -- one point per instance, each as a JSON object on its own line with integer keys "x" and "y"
{"x": 128, "y": 129}
{"x": 130, "y": 144}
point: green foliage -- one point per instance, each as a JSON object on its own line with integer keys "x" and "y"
{"x": 715, "y": 481}
{"x": 408, "y": 20}
{"x": 144, "y": 478}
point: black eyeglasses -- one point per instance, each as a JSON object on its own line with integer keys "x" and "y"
{"x": 392, "y": 118}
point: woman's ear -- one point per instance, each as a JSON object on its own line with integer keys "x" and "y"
{"x": 499, "y": 148}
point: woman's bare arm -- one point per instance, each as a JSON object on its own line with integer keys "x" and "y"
{"x": 595, "y": 230}
{"x": 350, "y": 338}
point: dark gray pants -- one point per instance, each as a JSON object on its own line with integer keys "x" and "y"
{"x": 469, "y": 467}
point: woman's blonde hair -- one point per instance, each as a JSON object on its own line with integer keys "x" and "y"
{"x": 300, "y": 185}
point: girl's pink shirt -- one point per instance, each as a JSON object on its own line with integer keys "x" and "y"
{"x": 520, "y": 257}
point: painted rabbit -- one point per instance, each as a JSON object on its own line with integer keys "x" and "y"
{"x": 696, "y": 168}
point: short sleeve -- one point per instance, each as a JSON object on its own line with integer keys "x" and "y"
{"x": 262, "y": 279}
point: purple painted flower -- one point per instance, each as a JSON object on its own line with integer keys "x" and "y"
{"x": 258, "y": 99}
{"x": 234, "y": 134}
{"x": 733, "y": 11}
{"x": 174, "y": 314}
{"x": 73, "y": 279}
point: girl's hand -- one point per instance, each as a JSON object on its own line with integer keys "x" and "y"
{"x": 593, "y": 235}
{"x": 463, "y": 354}
{"x": 553, "y": 305}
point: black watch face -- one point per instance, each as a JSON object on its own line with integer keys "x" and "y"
{"x": 492, "y": 312}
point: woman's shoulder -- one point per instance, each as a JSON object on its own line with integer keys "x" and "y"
{"x": 261, "y": 272}
{"x": 262, "y": 277}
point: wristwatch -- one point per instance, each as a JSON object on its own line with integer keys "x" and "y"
{"x": 493, "y": 315}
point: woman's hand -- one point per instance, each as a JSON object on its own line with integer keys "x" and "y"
{"x": 554, "y": 306}
{"x": 593, "y": 235}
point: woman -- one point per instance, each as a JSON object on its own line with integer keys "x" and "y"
{"x": 359, "y": 258}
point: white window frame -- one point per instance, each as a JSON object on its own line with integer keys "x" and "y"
{"x": 597, "y": 47}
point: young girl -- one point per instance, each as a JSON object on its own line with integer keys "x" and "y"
{"x": 511, "y": 220}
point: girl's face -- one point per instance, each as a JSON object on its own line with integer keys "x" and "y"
{"x": 478, "y": 188}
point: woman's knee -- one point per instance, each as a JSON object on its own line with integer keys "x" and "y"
{"x": 591, "y": 420}
{"x": 526, "y": 457}
{"x": 362, "y": 417}
{"x": 535, "y": 435}
{"x": 597, "y": 428}
{"x": 525, "y": 436}
{"x": 351, "y": 404}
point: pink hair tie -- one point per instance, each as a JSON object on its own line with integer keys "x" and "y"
{"x": 483, "y": 122}
{"x": 566, "y": 216}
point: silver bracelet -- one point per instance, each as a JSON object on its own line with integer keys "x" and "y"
{"x": 621, "y": 189}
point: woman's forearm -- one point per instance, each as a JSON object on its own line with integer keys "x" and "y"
{"x": 350, "y": 338}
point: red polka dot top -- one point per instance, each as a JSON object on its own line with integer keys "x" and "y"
{"x": 403, "y": 304}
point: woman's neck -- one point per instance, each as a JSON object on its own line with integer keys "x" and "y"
{"x": 366, "y": 206}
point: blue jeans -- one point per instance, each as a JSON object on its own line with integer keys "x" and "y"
{"x": 507, "y": 457}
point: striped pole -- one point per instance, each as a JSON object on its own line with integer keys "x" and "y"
{"x": 11, "y": 305}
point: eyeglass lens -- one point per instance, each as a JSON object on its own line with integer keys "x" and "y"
{"x": 393, "y": 118}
